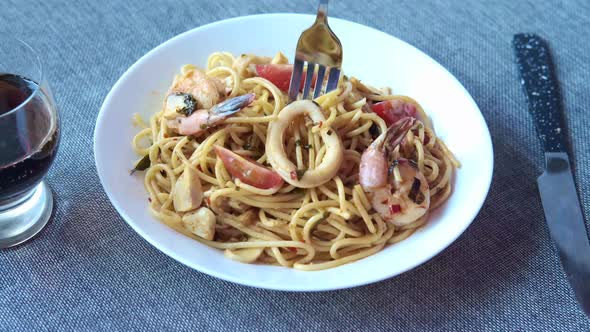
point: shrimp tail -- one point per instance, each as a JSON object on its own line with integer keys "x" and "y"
{"x": 231, "y": 106}
{"x": 373, "y": 171}
{"x": 396, "y": 133}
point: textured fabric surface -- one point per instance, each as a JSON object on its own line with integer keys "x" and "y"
{"x": 88, "y": 270}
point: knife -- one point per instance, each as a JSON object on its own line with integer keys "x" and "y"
{"x": 556, "y": 185}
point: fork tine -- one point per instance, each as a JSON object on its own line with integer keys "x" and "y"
{"x": 308, "y": 79}
{"x": 333, "y": 79}
{"x": 295, "y": 79}
{"x": 319, "y": 82}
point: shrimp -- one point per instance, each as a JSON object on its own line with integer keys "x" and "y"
{"x": 206, "y": 90}
{"x": 197, "y": 122}
{"x": 399, "y": 202}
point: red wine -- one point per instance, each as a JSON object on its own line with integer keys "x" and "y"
{"x": 29, "y": 135}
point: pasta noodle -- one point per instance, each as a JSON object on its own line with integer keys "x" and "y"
{"x": 305, "y": 227}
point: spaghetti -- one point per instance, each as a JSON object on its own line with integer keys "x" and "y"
{"x": 300, "y": 222}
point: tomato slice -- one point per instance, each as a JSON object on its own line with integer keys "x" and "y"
{"x": 280, "y": 75}
{"x": 248, "y": 171}
{"x": 393, "y": 110}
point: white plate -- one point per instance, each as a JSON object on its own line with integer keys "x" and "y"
{"x": 371, "y": 55}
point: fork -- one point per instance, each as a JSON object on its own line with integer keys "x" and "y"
{"x": 318, "y": 45}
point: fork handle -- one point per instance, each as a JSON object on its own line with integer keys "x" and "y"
{"x": 322, "y": 15}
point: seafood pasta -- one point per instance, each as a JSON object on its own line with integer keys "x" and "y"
{"x": 310, "y": 184}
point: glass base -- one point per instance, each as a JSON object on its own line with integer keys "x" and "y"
{"x": 21, "y": 221}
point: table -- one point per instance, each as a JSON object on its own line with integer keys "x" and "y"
{"x": 88, "y": 270}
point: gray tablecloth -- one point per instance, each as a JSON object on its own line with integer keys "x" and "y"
{"x": 88, "y": 270}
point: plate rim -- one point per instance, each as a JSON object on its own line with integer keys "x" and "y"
{"x": 292, "y": 287}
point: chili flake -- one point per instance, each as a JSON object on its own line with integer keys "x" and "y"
{"x": 395, "y": 208}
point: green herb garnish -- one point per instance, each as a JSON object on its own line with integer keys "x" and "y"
{"x": 142, "y": 164}
{"x": 374, "y": 130}
{"x": 203, "y": 126}
{"x": 323, "y": 217}
{"x": 189, "y": 103}
{"x": 300, "y": 173}
{"x": 413, "y": 195}
{"x": 305, "y": 146}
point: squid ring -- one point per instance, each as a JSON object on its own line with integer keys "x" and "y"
{"x": 275, "y": 149}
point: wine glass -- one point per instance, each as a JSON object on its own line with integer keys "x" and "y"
{"x": 29, "y": 136}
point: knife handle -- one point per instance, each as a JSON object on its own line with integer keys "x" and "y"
{"x": 541, "y": 89}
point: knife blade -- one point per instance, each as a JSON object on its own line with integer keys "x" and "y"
{"x": 557, "y": 188}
